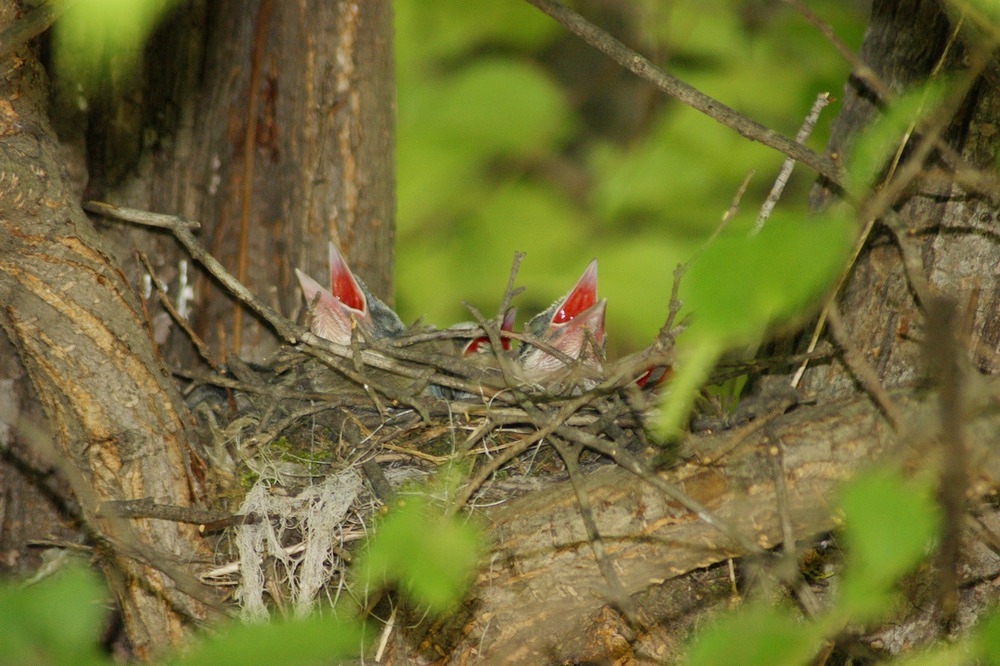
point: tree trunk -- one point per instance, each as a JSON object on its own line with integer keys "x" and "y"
{"x": 950, "y": 225}
{"x": 115, "y": 428}
{"x": 542, "y": 593}
{"x": 272, "y": 124}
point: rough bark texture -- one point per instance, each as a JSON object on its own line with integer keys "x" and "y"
{"x": 542, "y": 588}
{"x": 272, "y": 123}
{"x": 953, "y": 229}
{"x": 115, "y": 429}
{"x": 275, "y": 132}
{"x": 542, "y": 595}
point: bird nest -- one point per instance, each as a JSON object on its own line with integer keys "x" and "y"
{"x": 302, "y": 453}
{"x": 319, "y": 440}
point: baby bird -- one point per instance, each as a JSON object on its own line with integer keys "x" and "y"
{"x": 480, "y": 344}
{"x": 573, "y": 325}
{"x": 348, "y": 302}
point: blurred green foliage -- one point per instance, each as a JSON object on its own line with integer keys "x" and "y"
{"x": 514, "y": 135}
{"x": 431, "y": 556}
{"x": 743, "y": 287}
{"x": 56, "y": 621}
{"x": 97, "y": 43}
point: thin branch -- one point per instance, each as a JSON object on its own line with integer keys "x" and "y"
{"x": 161, "y": 295}
{"x": 805, "y": 595}
{"x": 684, "y": 92}
{"x": 785, "y": 172}
{"x": 944, "y": 355}
{"x": 181, "y": 228}
{"x": 859, "y": 67}
{"x": 639, "y": 468}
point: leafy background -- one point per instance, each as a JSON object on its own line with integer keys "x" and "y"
{"x": 514, "y": 135}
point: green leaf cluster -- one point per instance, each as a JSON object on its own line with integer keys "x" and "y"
{"x": 742, "y": 287}
{"x": 431, "y": 556}
{"x": 56, "y": 621}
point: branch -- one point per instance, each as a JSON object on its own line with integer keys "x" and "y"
{"x": 640, "y": 66}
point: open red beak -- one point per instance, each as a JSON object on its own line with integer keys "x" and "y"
{"x": 506, "y": 325}
{"x": 343, "y": 286}
{"x": 582, "y": 296}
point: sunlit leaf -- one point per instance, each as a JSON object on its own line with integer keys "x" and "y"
{"x": 98, "y": 40}
{"x": 756, "y": 635}
{"x": 988, "y": 638}
{"x": 889, "y": 523}
{"x": 56, "y": 621}
{"x": 430, "y": 555}
{"x": 881, "y": 142}
{"x": 742, "y": 287}
{"x": 314, "y": 640}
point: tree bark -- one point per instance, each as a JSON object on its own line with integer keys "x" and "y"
{"x": 949, "y": 225}
{"x": 114, "y": 415}
{"x": 541, "y": 595}
{"x": 542, "y": 588}
{"x": 272, "y": 124}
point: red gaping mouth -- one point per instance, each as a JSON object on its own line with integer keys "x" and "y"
{"x": 583, "y": 296}
{"x": 343, "y": 286}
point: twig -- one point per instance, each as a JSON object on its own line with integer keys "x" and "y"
{"x": 684, "y": 92}
{"x": 734, "y": 207}
{"x": 971, "y": 178}
{"x": 859, "y": 67}
{"x": 785, "y": 172}
{"x": 899, "y": 178}
{"x": 637, "y": 467}
{"x": 791, "y": 558}
{"x": 944, "y": 356}
{"x": 181, "y": 228}
{"x": 147, "y": 507}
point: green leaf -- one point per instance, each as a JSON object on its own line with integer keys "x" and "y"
{"x": 432, "y": 556}
{"x": 755, "y": 635}
{"x": 695, "y": 362}
{"x": 314, "y": 640}
{"x": 879, "y": 143}
{"x": 988, "y": 638}
{"x": 56, "y": 621}
{"x": 889, "y": 523}
{"x": 741, "y": 287}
